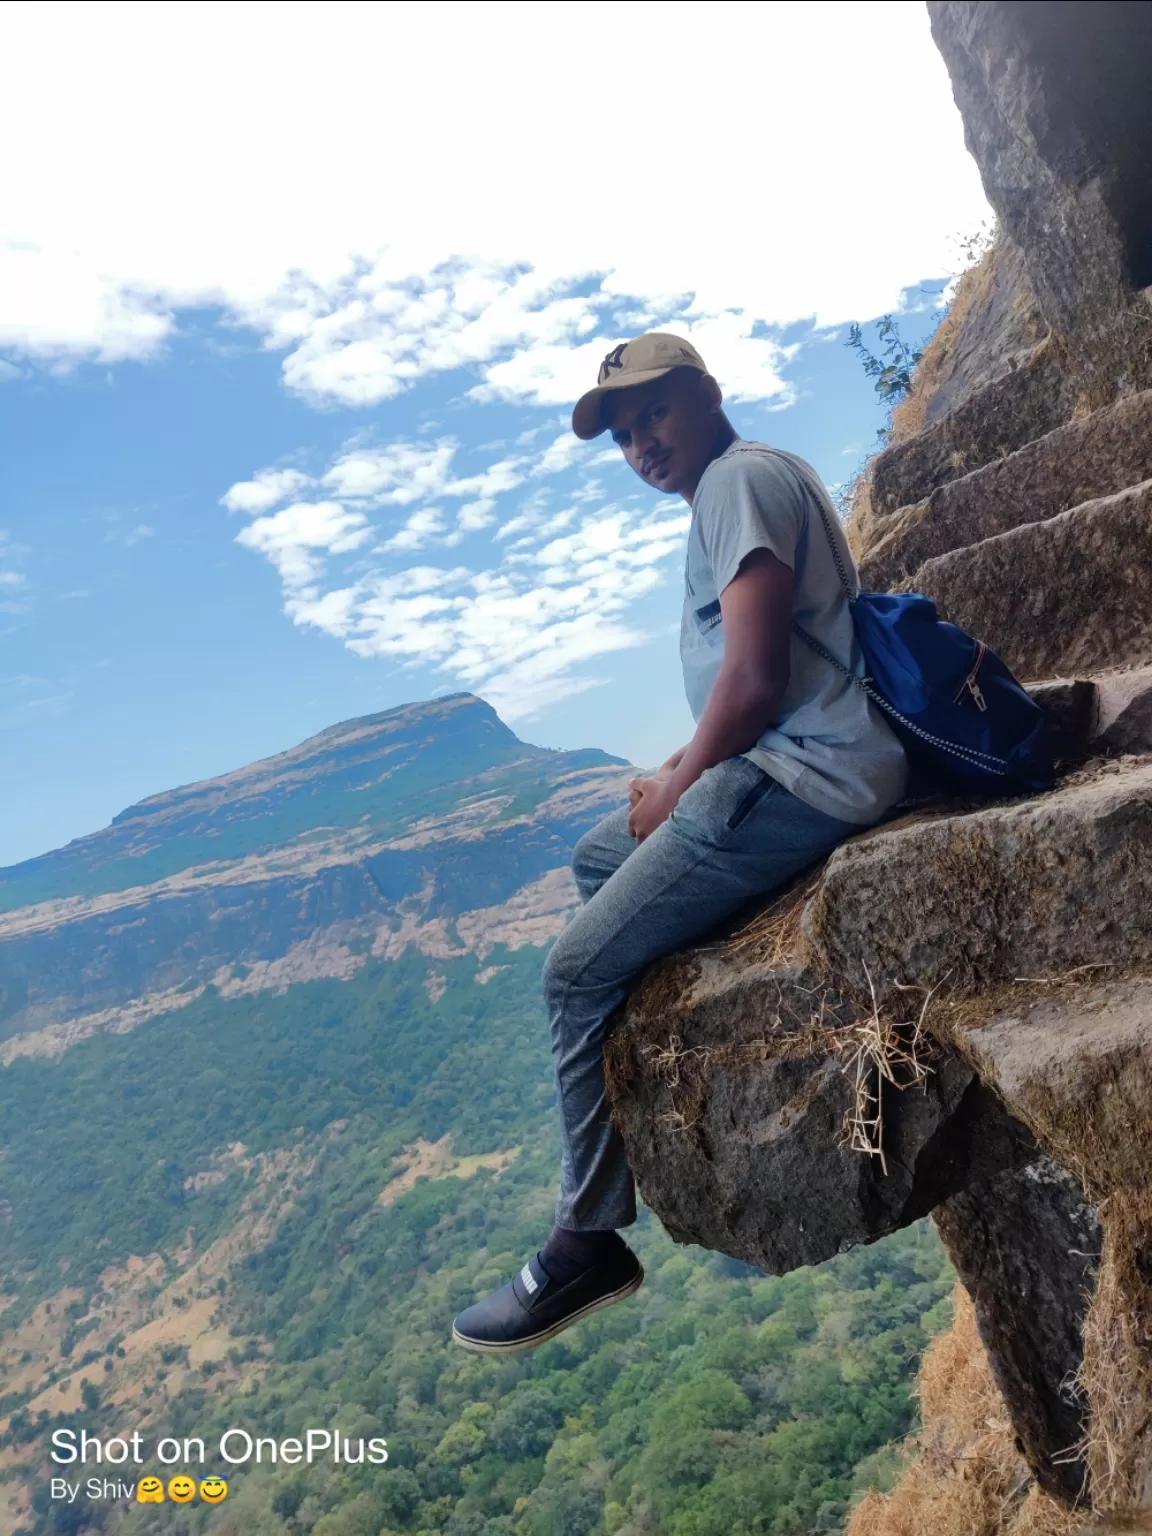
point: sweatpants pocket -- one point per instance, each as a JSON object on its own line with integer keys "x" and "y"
{"x": 751, "y": 800}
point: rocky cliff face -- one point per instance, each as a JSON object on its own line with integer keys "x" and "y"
{"x": 954, "y": 1014}
{"x": 430, "y": 825}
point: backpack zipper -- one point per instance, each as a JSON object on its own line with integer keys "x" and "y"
{"x": 970, "y": 685}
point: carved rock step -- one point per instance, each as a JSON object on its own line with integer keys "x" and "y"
{"x": 1025, "y": 1243}
{"x": 1032, "y": 888}
{"x": 1100, "y": 715}
{"x": 1071, "y": 595}
{"x": 1108, "y": 452}
{"x": 729, "y": 1083}
{"x": 1024, "y": 404}
{"x": 1077, "y": 1067}
{"x": 727, "y": 1072}
{"x": 1123, "y": 720}
{"x": 1073, "y": 707}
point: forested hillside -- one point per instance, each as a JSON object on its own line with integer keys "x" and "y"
{"x": 262, "y": 1208}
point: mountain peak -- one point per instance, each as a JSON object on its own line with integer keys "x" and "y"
{"x": 447, "y": 707}
{"x": 374, "y": 776}
{"x": 366, "y": 735}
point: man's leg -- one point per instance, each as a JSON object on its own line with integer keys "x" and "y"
{"x": 735, "y": 834}
{"x": 600, "y": 853}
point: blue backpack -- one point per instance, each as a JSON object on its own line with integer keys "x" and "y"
{"x": 965, "y": 722}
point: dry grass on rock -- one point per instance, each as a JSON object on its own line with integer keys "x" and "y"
{"x": 968, "y": 1478}
{"x": 774, "y": 936}
{"x": 1116, "y": 1373}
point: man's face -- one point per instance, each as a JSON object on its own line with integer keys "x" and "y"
{"x": 667, "y": 429}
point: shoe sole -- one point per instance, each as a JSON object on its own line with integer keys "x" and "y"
{"x": 480, "y": 1347}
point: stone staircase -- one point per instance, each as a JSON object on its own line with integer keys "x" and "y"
{"x": 1068, "y": 594}
{"x": 1032, "y": 398}
{"x": 1045, "y": 552}
{"x": 1077, "y": 462}
{"x": 955, "y": 1013}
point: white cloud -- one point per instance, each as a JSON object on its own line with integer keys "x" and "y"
{"x": 516, "y": 632}
{"x": 406, "y": 472}
{"x": 423, "y": 527}
{"x": 552, "y": 373}
{"x": 521, "y": 619}
{"x": 265, "y": 490}
{"x": 56, "y": 305}
{"x": 369, "y": 333}
{"x": 488, "y": 236}
{"x": 399, "y": 474}
{"x": 562, "y": 453}
{"x": 296, "y": 539}
{"x": 403, "y": 473}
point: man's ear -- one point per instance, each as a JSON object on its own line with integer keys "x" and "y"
{"x": 713, "y": 395}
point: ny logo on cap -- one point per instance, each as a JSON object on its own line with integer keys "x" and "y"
{"x": 615, "y": 359}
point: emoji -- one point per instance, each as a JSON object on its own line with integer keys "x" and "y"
{"x": 214, "y": 1490}
{"x": 181, "y": 1488}
{"x": 149, "y": 1490}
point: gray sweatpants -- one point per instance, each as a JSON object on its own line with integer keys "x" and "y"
{"x": 735, "y": 834}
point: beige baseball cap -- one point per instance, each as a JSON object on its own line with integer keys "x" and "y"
{"x": 649, "y": 357}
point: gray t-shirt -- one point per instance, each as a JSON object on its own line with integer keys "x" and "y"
{"x": 831, "y": 747}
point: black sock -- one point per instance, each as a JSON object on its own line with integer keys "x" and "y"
{"x": 568, "y": 1254}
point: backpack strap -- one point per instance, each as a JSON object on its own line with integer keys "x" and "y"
{"x": 819, "y": 495}
{"x": 827, "y": 513}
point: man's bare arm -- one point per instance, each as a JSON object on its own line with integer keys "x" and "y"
{"x": 756, "y": 608}
{"x": 670, "y": 765}
{"x": 659, "y": 775}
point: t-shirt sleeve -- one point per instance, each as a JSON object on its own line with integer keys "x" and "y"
{"x": 746, "y": 502}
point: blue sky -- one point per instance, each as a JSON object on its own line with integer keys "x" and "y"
{"x": 290, "y": 330}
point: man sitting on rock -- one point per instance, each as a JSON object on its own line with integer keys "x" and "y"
{"x": 788, "y": 758}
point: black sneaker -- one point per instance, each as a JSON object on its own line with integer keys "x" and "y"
{"x": 533, "y": 1308}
